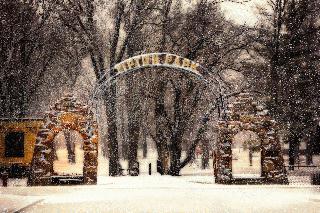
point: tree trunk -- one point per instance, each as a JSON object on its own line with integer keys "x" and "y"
{"x": 114, "y": 163}
{"x": 125, "y": 150}
{"x": 70, "y": 146}
{"x": 176, "y": 134}
{"x": 294, "y": 141}
{"x": 205, "y": 154}
{"x": 104, "y": 146}
{"x": 161, "y": 143}
{"x": 123, "y": 132}
{"x": 145, "y": 146}
{"x": 54, "y": 152}
{"x": 133, "y": 150}
{"x": 175, "y": 156}
{"x": 309, "y": 151}
{"x": 134, "y": 115}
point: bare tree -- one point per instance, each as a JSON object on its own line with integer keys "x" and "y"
{"x": 32, "y": 44}
{"x": 197, "y": 34}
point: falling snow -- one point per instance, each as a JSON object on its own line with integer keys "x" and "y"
{"x": 159, "y": 106}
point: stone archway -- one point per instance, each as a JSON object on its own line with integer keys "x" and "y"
{"x": 245, "y": 114}
{"x": 67, "y": 113}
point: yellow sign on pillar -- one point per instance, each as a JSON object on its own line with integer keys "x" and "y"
{"x": 17, "y": 141}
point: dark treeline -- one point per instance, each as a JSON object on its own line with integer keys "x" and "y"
{"x": 288, "y": 43}
{"x": 44, "y": 43}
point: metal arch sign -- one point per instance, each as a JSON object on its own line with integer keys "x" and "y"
{"x": 161, "y": 60}
{"x": 153, "y": 60}
{"x": 157, "y": 60}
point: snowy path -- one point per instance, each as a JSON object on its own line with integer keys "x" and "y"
{"x": 161, "y": 194}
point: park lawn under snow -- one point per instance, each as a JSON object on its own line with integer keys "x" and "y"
{"x": 160, "y": 194}
{"x": 194, "y": 191}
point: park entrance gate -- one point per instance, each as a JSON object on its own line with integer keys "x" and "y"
{"x": 243, "y": 114}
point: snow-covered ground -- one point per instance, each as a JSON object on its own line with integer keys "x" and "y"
{"x": 194, "y": 191}
{"x": 160, "y": 194}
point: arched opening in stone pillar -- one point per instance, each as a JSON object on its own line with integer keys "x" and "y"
{"x": 244, "y": 113}
{"x": 246, "y": 154}
{"x": 68, "y": 153}
{"x": 66, "y": 114}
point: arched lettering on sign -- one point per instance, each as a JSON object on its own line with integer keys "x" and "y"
{"x": 155, "y": 60}
{"x": 158, "y": 59}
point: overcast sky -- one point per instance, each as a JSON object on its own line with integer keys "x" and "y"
{"x": 245, "y": 13}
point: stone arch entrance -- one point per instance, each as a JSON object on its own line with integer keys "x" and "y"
{"x": 67, "y": 113}
{"x": 246, "y": 114}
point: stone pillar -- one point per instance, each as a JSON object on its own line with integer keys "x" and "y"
{"x": 42, "y": 163}
{"x": 272, "y": 159}
{"x": 90, "y": 163}
{"x": 223, "y": 161}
